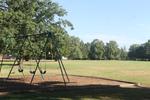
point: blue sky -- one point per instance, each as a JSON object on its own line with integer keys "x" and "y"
{"x": 125, "y": 21}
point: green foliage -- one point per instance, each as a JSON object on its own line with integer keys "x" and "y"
{"x": 140, "y": 52}
{"x": 123, "y": 54}
{"x": 112, "y": 50}
{"x": 85, "y": 50}
{"x": 74, "y": 48}
{"x": 23, "y": 17}
{"x": 147, "y": 50}
{"x": 75, "y": 54}
{"x": 97, "y": 50}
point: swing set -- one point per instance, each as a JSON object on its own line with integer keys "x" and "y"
{"x": 23, "y": 39}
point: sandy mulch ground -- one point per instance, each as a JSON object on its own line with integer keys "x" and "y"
{"x": 55, "y": 82}
{"x": 75, "y": 80}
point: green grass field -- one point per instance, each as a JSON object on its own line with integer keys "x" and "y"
{"x": 134, "y": 71}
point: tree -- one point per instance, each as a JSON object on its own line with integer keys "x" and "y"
{"x": 22, "y": 17}
{"x": 147, "y": 50}
{"x": 112, "y": 50}
{"x": 123, "y": 54}
{"x": 76, "y": 54}
{"x": 74, "y": 48}
{"x": 88, "y": 46}
{"x": 97, "y": 50}
{"x": 65, "y": 50}
{"x": 132, "y": 51}
{"x": 140, "y": 51}
{"x": 84, "y": 49}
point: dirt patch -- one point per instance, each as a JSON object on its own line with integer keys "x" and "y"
{"x": 79, "y": 87}
{"x": 75, "y": 80}
{"x": 55, "y": 82}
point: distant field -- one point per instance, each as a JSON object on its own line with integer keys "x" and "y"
{"x": 134, "y": 71}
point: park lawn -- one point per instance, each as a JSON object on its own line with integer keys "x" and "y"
{"x": 134, "y": 71}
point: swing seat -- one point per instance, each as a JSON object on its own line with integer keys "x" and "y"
{"x": 32, "y": 72}
{"x": 43, "y": 72}
{"x": 20, "y": 70}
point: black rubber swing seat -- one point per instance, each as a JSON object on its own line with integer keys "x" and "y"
{"x": 43, "y": 72}
{"x": 20, "y": 70}
{"x": 32, "y": 72}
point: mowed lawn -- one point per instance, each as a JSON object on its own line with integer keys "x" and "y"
{"x": 134, "y": 71}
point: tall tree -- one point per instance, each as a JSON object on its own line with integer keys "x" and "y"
{"x": 22, "y": 17}
{"x": 132, "y": 51}
{"x": 74, "y": 48}
{"x": 123, "y": 54}
{"x": 84, "y": 50}
{"x": 112, "y": 50}
{"x": 140, "y": 51}
{"x": 97, "y": 50}
{"x": 147, "y": 50}
{"x": 75, "y": 54}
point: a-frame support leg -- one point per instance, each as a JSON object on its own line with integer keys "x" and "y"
{"x": 1, "y": 63}
{"x": 65, "y": 70}
{"x": 17, "y": 58}
{"x": 35, "y": 71}
{"x": 12, "y": 68}
{"x": 62, "y": 68}
{"x": 62, "y": 73}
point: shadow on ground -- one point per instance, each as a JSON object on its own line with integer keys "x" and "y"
{"x": 54, "y": 90}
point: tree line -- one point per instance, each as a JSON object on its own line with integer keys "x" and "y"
{"x": 140, "y": 51}
{"x": 74, "y": 48}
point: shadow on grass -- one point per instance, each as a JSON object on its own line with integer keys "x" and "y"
{"x": 55, "y": 90}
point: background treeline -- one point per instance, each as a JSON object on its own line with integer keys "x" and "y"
{"x": 140, "y": 52}
{"x": 74, "y": 48}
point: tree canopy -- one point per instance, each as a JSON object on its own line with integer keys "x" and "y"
{"x": 24, "y": 17}
{"x": 97, "y": 50}
{"x": 141, "y": 52}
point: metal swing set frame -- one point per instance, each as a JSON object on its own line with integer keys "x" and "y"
{"x": 25, "y": 38}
